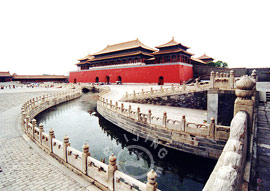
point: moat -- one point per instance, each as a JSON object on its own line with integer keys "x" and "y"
{"x": 79, "y": 120}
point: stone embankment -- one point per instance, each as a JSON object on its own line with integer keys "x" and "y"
{"x": 103, "y": 176}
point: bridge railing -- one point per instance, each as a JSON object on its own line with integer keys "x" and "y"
{"x": 218, "y": 80}
{"x": 233, "y": 162}
{"x": 212, "y": 130}
{"x": 104, "y": 176}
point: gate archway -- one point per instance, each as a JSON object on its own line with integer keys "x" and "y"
{"x": 107, "y": 79}
{"x": 97, "y": 79}
{"x": 161, "y": 80}
{"x": 119, "y": 80}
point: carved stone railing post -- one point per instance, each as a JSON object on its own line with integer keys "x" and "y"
{"x": 149, "y": 116}
{"x": 129, "y": 110}
{"x": 107, "y": 103}
{"x": 165, "y": 119}
{"x": 142, "y": 92}
{"x": 51, "y": 136}
{"x": 65, "y": 146}
{"x": 116, "y": 106}
{"x": 254, "y": 75}
{"x": 43, "y": 99}
{"x": 34, "y": 124}
{"x": 161, "y": 89}
{"x": 85, "y": 154}
{"x": 244, "y": 92}
{"x": 217, "y": 75}
{"x": 41, "y": 130}
{"x": 151, "y": 91}
{"x": 138, "y": 113}
{"x": 151, "y": 184}
{"x": 112, "y": 167}
{"x": 212, "y": 80}
{"x": 33, "y": 103}
{"x": 28, "y": 107}
{"x": 212, "y": 128}
{"x": 172, "y": 87}
{"x": 122, "y": 107}
{"x": 184, "y": 86}
{"x": 134, "y": 94}
{"x": 110, "y": 104}
{"x": 232, "y": 79}
{"x": 197, "y": 83}
{"x": 126, "y": 95}
{"x": 183, "y": 124}
{"x": 26, "y": 123}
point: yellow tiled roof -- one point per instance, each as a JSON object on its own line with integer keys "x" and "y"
{"x": 123, "y": 46}
{"x": 171, "y": 43}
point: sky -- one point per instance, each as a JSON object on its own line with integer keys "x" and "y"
{"x": 48, "y": 36}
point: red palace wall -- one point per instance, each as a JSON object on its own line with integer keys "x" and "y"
{"x": 172, "y": 73}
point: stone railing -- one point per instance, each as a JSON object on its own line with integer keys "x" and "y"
{"x": 228, "y": 174}
{"x": 104, "y": 176}
{"x": 222, "y": 81}
{"x": 212, "y": 131}
{"x": 164, "y": 91}
{"x": 15, "y": 85}
{"x": 203, "y": 139}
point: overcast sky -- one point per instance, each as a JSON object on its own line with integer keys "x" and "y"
{"x": 47, "y": 37}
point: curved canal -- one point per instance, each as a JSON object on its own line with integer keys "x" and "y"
{"x": 135, "y": 156}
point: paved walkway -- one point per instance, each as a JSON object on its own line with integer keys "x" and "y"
{"x": 263, "y": 147}
{"x": 23, "y": 166}
{"x": 175, "y": 113}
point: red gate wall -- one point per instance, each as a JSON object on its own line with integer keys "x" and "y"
{"x": 172, "y": 73}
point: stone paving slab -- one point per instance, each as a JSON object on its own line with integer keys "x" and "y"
{"x": 23, "y": 166}
{"x": 263, "y": 147}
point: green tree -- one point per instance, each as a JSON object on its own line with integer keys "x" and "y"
{"x": 218, "y": 63}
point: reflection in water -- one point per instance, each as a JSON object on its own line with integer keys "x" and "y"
{"x": 135, "y": 156}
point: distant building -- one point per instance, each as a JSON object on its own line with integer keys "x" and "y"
{"x": 39, "y": 78}
{"x": 206, "y": 59}
{"x": 5, "y": 77}
{"x": 134, "y": 62}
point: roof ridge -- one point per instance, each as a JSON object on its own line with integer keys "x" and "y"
{"x": 172, "y": 42}
{"x": 122, "y": 43}
{"x": 123, "y": 46}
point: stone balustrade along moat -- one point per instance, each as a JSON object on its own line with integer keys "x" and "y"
{"x": 222, "y": 81}
{"x": 107, "y": 177}
{"x": 232, "y": 171}
{"x": 204, "y": 139}
{"x": 104, "y": 176}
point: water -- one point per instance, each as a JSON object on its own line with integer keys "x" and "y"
{"x": 135, "y": 156}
